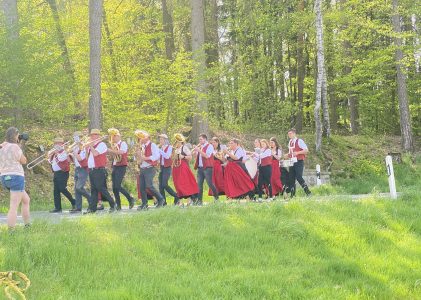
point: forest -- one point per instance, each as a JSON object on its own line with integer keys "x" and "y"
{"x": 326, "y": 67}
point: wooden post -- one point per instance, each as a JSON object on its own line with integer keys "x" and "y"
{"x": 391, "y": 174}
{"x": 318, "y": 177}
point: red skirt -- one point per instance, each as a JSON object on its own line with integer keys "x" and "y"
{"x": 184, "y": 180}
{"x": 276, "y": 183}
{"x": 237, "y": 181}
{"x": 218, "y": 178}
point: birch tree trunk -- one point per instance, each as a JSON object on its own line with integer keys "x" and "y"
{"x": 417, "y": 48}
{"x": 300, "y": 72}
{"x": 200, "y": 123}
{"x": 168, "y": 28}
{"x": 95, "y": 105}
{"x": 405, "y": 116}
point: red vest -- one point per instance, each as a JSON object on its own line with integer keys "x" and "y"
{"x": 124, "y": 159}
{"x": 207, "y": 162}
{"x": 148, "y": 152}
{"x": 296, "y": 148}
{"x": 167, "y": 162}
{"x": 101, "y": 159}
{"x": 84, "y": 162}
{"x": 64, "y": 165}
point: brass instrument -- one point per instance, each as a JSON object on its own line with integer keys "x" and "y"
{"x": 179, "y": 138}
{"x": 112, "y": 132}
{"x": 85, "y": 145}
{"x": 45, "y": 156}
{"x": 71, "y": 148}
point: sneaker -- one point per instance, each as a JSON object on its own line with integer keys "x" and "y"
{"x": 89, "y": 211}
{"x": 112, "y": 209}
{"x": 270, "y": 199}
{"x": 55, "y": 211}
{"x": 260, "y": 200}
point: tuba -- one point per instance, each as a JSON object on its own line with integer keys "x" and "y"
{"x": 112, "y": 132}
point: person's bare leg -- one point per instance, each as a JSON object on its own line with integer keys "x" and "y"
{"x": 25, "y": 208}
{"x": 15, "y": 198}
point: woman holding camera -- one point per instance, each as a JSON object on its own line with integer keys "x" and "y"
{"x": 12, "y": 176}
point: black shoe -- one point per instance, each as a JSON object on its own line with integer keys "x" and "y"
{"x": 118, "y": 207}
{"x": 142, "y": 207}
{"x": 89, "y": 211}
{"x": 131, "y": 203}
{"x": 100, "y": 207}
{"x": 307, "y": 191}
{"x": 55, "y": 211}
{"x": 75, "y": 211}
{"x": 112, "y": 209}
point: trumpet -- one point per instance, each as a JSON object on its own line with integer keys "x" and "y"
{"x": 40, "y": 159}
{"x": 86, "y": 144}
{"x": 70, "y": 148}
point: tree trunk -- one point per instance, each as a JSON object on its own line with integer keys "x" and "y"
{"x": 11, "y": 17}
{"x": 417, "y": 48}
{"x": 200, "y": 123}
{"x": 95, "y": 106}
{"x": 300, "y": 72}
{"x": 110, "y": 46}
{"x": 320, "y": 83}
{"x": 405, "y": 116}
{"x": 168, "y": 28}
{"x": 67, "y": 65}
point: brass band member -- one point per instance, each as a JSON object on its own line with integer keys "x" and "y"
{"x": 97, "y": 160}
{"x": 148, "y": 157}
{"x": 166, "y": 162}
{"x": 119, "y": 150}
{"x": 297, "y": 152}
{"x": 80, "y": 161}
{"x": 265, "y": 169}
{"x": 184, "y": 181}
{"x": 218, "y": 168}
{"x": 60, "y": 165}
{"x": 204, "y": 166}
{"x": 277, "y": 187}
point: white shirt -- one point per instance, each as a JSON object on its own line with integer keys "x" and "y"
{"x": 301, "y": 144}
{"x": 209, "y": 152}
{"x": 58, "y": 158}
{"x": 101, "y": 148}
{"x": 82, "y": 155}
{"x": 155, "y": 155}
{"x": 240, "y": 153}
{"x": 165, "y": 155}
{"x": 122, "y": 146}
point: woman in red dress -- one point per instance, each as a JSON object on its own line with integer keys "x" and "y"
{"x": 238, "y": 183}
{"x": 184, "y": 180}
{"x": 277, "y": 186}
{"x": 218, "y": 167}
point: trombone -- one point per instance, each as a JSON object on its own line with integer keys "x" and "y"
{"x": 40, "y": 159}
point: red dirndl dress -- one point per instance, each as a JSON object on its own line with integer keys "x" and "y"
{"x": 218, "y": 177}
{"x": 275, "y": 181}
{"x": 237, "y": 181}
{"x": 184, "y": 181}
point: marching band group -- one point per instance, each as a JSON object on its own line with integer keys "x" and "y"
{"x": 230, "y": 171}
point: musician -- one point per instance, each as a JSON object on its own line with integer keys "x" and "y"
{"x": 148, "y": 157}
{"x": 218, "y": 168}
{"x": 297, "y": 152}
{"x": 204, "y": 166}
{"x": 238, "y": 183}
{"x": 13, "y": 177}
{"x": 60, "y": 165}
{"x": 97, "y": 161}
{"x": 119, "y": 151}
{"x": 166, "y": 162}
{"x": 276, "y": 182}
{"x": 80, "y": 160}
{"x": 184, "y": 180}
{"x": 265, "y": 169}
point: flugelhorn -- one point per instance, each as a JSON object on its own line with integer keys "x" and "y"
{"x": 40, "y": 159}
{"x": 112, "y": 132}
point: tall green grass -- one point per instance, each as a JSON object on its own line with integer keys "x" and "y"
{"x": 302, "y": 249}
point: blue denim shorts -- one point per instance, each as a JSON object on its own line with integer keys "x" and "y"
{"x": 14, "y": 183}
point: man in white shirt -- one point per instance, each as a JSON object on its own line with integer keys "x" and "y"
{"x": 204, "y": 166}
{"x": 165, "y": 168}
{"x": 148, "y": 158}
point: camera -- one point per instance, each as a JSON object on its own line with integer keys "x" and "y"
{"x": 23, "y": 137}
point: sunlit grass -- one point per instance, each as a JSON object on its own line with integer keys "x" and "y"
{"x": 300, "y": 249}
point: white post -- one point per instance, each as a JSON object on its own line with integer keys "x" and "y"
{"x": 391, "y": 174}
{"x": 318, "y": 177}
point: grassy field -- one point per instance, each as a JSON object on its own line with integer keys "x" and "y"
{"x": 302, "y": 249}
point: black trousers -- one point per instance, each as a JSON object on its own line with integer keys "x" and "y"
{"x": 265, "y": 176}
{"x": 285, "y": 178}
{"x": 296, "y": 174}
{"x": 117, "y": 176}
{"x": 163, "y": 178}
{"x": 203, "y": 174}
{"x": 146, "y": 183}
{"x": 60, "y": 179}
{"x": 98, "y": 180}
